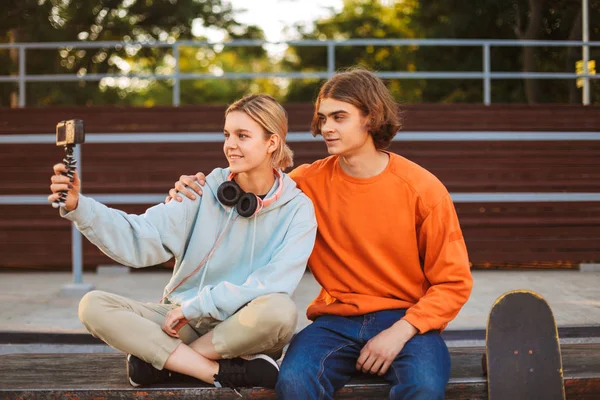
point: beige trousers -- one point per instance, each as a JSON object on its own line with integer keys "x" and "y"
{"x": 264, "y": 325}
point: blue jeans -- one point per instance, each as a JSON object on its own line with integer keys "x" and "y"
{"x": 322, "y": 358}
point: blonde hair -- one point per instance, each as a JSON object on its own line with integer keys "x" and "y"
{"x": 272, "y": 117}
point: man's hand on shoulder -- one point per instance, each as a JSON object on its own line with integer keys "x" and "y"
{"x": 183, "y": 185}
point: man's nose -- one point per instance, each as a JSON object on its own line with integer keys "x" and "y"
{"x": 326, "y": 126}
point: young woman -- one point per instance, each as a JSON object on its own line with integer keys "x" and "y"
{"x": 240, "y": 251}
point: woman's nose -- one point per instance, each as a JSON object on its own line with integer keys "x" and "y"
{"x": 230, "y": 143}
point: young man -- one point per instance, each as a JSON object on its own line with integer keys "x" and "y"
{"x": 389, "y": 254}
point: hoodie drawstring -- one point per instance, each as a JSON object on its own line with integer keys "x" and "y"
{"x": 213, "y": 249}
{"x": 253, "y": 243}
{"x": 204, "y": 261}
{"x": 278, "y": 180}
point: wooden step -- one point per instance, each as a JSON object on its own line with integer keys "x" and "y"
{"x": 102, "y": 376}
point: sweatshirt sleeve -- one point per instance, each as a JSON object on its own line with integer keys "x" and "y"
{"x": 281, "y": 275}
{"x": 446, "y": 267}
{"x": 135, "y": 240}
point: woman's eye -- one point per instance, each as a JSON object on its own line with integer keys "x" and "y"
{"x": 242, "y": 136}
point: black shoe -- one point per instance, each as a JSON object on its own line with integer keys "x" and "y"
{"x": 275, "y": 355}
{"x": 257, "y": 370}
{"x": 142, "y": 373}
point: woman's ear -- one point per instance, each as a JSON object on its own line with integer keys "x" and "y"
{"x": 273, "y": 143}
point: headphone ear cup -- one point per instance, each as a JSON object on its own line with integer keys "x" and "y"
{"x": 229, "y": 193}
{"x": 247, "y": 205}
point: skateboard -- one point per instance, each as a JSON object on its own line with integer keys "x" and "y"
{"x": 523, "y": 359}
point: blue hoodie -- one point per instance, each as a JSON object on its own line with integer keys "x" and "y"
{"x": 264, "y": 254}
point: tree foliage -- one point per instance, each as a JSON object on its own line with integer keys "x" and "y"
{"x": 484, "y": 19}
{"x": 118, "y": 20}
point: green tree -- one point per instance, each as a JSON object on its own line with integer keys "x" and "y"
{"x": 484, "y": 19}
{"x": 500, "y": 19}
{"x": 100, "y": 20}
{"x": 357, "y": 19}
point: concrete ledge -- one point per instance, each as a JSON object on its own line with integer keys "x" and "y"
{"x": 589, "y": 267}
{"x": 76, "y": 289}
{"x": 450, "y": 335}
{"x": 112, "y": 270}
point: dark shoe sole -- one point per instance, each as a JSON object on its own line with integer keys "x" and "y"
{"x": 132, "y": 383}
{"x": 263, "y": 357}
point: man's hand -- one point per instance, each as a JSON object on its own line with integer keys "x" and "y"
{"x": 182, "y": 185}
{"x": 174, "y": 321}
{"x": 381, "y": 351}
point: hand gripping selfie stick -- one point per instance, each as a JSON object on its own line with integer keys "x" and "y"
{"x": 68, "y": 134}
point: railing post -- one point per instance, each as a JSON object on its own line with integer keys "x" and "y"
{"x": 176, "y": 84}
{"x": 586, "y": 52}
{"x": 330, "y": 58}
{"x": 77, "y": 288}
{"x": 21, "y": 76}
{"x": 487, "y": 87}
{"x": 77, "y": 255}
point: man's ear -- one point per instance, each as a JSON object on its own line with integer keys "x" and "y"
{"x": 368, "y": 122}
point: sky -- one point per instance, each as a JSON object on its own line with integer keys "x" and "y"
{"x": 274, "y": 15}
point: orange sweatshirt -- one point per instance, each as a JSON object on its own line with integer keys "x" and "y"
{"x": 385, "y": 242}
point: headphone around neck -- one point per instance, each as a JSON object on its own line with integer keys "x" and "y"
{"x": 247, "y": 204}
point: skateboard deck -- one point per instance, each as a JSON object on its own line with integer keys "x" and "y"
{"x": 523, "y": 358}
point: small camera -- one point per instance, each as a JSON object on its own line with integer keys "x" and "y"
{"x": 69, "y": 133}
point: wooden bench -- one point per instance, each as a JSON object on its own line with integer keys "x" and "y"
{"x": 102, "y": 376}
{"x": 498, "y": 235}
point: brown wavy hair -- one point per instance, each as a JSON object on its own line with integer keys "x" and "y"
{"x": 361, "y": 88}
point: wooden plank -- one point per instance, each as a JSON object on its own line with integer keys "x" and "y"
{"x": 44, "y": 376}
{"x": 153, "y": 167}
{"x": 453, "y": 117}
{"x": 560, "y": 235}
{"x": 520, "y": 259}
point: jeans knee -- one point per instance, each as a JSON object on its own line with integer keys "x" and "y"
{"x": 431, "y": 389}
{"x": 291, "y": 383}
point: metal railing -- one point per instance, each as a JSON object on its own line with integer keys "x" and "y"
{"x": 486, "y": 75}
